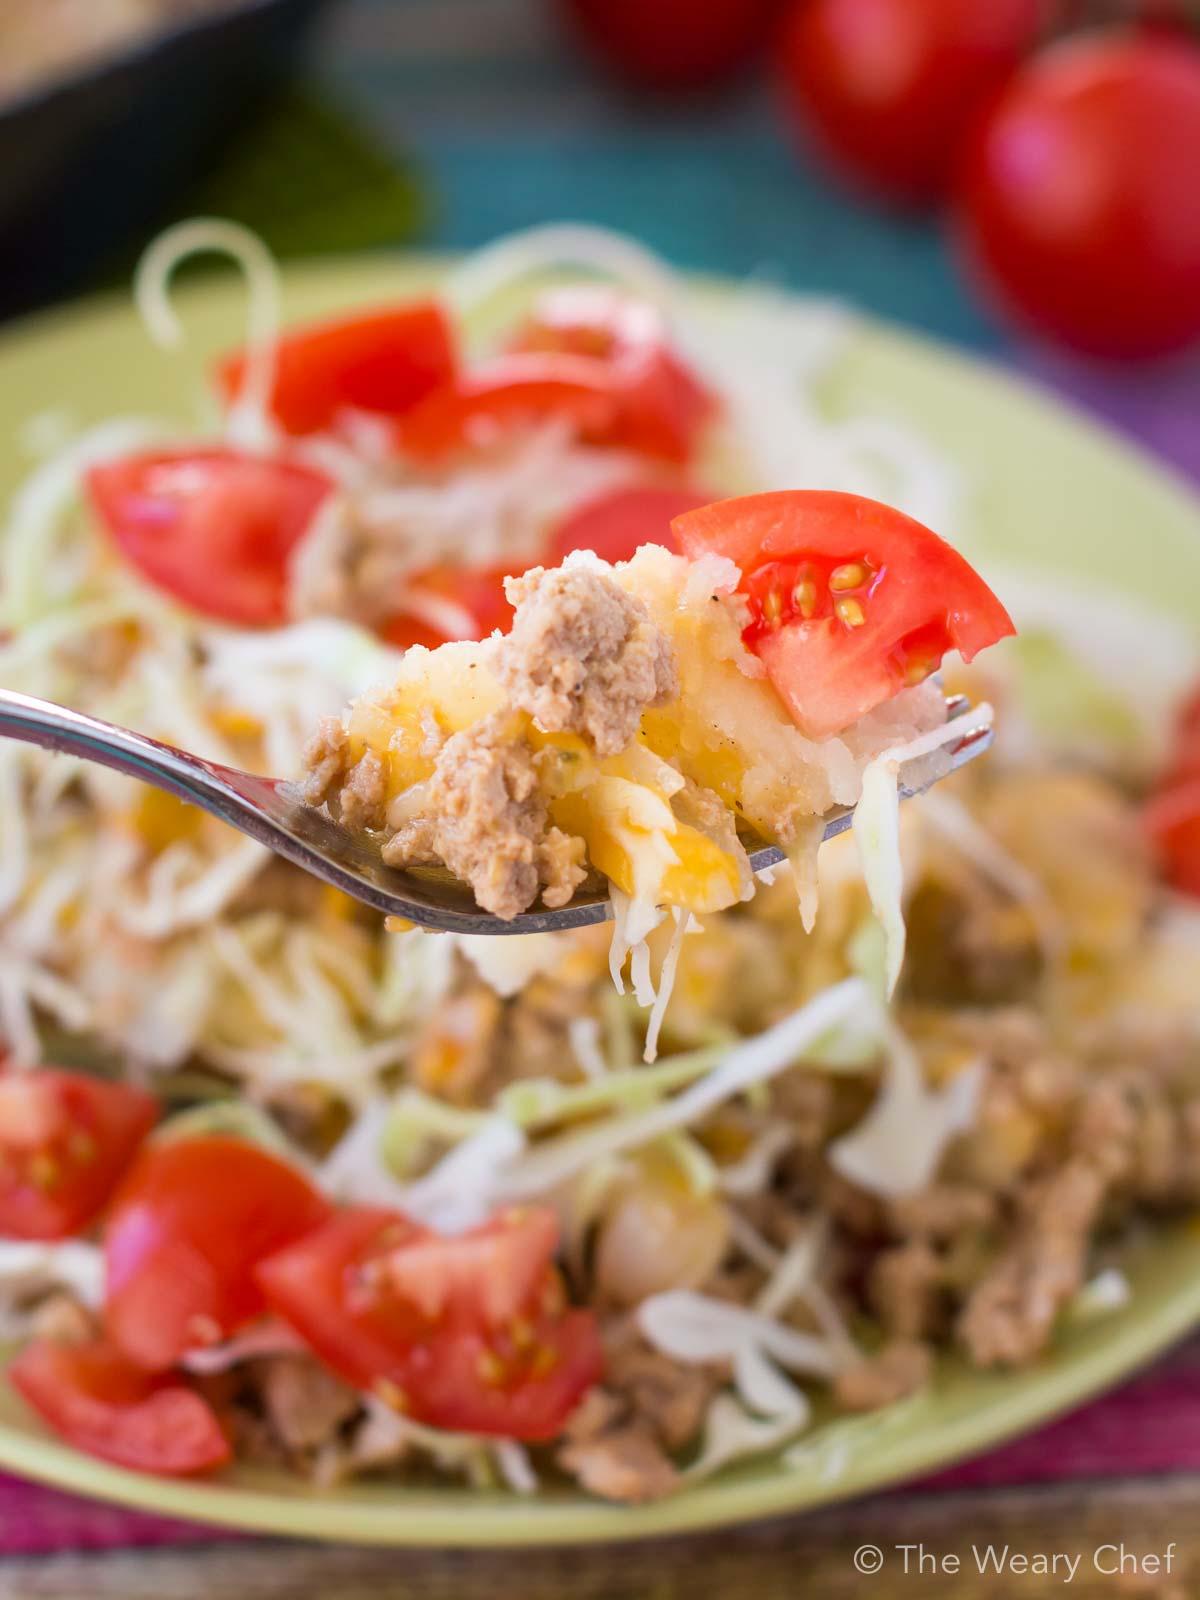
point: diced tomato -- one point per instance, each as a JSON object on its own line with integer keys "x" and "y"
{"x": 468, "y": 1332}
{"x": 509, "y": 392}
{"x": 1173, "y": 819}
{"x": 592, "y": 356}
{"x": 214, "y": 528}
{"x": 1185, "y": 756}
{"x": 189, "y": 1226}
{"x": 850, "y": 600}
{"x": 65, "y": 1139}
{"x": 663, "y": 404}
{"x": 384, "y": 362}
{"x": 97, "y": 1402}
{"x": 476, "y": 594}
{"x": 616, "y": 524}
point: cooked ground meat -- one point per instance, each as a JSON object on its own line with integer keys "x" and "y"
{"x": 354, "y": 791}
{"x": 485, "y": 817}
{"x": 906, "y": 1289}
{"x": 941, "y": 1212}
{"x": 1011, "y": 1312}
{"x": 61, "y": 1319}
{"x": 620, "y": 1441}
{"x": 625, "y": 1464}
{"x": 900, "y": 1369}
{"x": 303, "y": 1403}
{"x": 326, "y": 760}
{"x": 583, "y": 656}
{"x": 376, "y": 1441}
{"x": 665, "y": 1397}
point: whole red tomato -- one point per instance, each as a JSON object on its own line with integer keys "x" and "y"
{"x": 673, "y": 44}
{"x": 1080, "y": 194}
{"x": 886, "y": 87}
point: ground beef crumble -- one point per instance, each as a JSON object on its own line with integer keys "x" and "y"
{"x": 583, "y": 656}
{"x": 900, "y": 1369}
{"x": 485, "y": 817}
{"x": 621, "y": 1440}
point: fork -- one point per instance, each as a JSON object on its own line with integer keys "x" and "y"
{"x": 273, "y": 812}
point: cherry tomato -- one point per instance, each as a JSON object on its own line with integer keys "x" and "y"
{"x": 96, "y": 1401}
{"x": 382, "y": 362}
{"x": 214, "y": 528}
{"x": 850, "y": 600}
{"x": 469, "y": 1332}
{"x": 1078, "y": 205}
{"x": 617, "y": 524}
{"x": 188, "y": 1227}
{"x": 673, "y": 44}
{"x": 65, "y": 1139}
{"x": 1173, "y": 820}
{"x": 886, "y": 88}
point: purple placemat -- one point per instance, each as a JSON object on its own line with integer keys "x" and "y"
{"x": 1149, "y": 1426}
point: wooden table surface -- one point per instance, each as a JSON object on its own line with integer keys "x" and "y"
{"x": 812, "y": 1556}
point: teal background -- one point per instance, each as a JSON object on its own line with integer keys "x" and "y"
{"x": 512, "y": 124}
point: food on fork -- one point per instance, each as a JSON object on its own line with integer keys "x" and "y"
{"x": 637, "y": 717}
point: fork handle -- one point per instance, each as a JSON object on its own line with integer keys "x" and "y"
{"x": 68, "y": 732}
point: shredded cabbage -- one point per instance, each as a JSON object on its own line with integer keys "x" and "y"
{"x": 877, "y": 826}
{"x": 1110, "y": 1290}
{"x": 539, "y": 251}
{"x": 769, "y": 1409}
{"x": 897, "y": 1147}
{"x": 696, "y": 1328}
{"x": 249, "y": 421}
{"x": 555, "y": 1161}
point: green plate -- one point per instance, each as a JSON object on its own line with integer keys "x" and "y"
{"x": 1050, "y": 491}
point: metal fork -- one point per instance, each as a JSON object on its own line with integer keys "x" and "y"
{"x": 274, "y": 812}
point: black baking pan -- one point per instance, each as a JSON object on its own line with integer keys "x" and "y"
{"x": 88, "y": 160}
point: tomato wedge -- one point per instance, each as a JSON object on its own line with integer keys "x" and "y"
{"x": 509, "y": 392}
{"x": 382, "y": 362}
{"x": 214, "y": 528}
{"x": 1185, "y": 758}
{"x": 589, "y": 355}
{"x": 450, "y": 602}
{"x": 65, "y": 1139}
{"x": 617, "y": 524}
{"x": 1173, "y": 819}
{"x": 188, "y": 1227}
{"x": 469, "y": 1332}
{"x": 663, "y": 404}
{"x": 96, "y": 1401}
{"x": 850, "y": 600}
